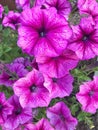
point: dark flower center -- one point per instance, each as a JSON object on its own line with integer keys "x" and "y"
{"x": 85, "y": 38}
{"x": 62, "y": 117}
{"x": 54, "y": 80}
{"x": 43, "y": 7}
{"x": 42, "y": 32}
{"x": 18, "y": 111}
{"x": 91, "y": 93}
{"x": 1, "y": 107}
{"x": 32, "y": 88}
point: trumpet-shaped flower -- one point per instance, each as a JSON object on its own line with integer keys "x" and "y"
{"x": 57, "y": 66}
{"x": 19, "y": 115}
{"x": 5, "y": 108}
{"x": 60, "y": 117}
{"x": 88, "y": 95}
{"x": 42, "y": 31}
{"x": 63, "y": 6}
{"x": 12, "y": 20}
{"x": 85, "y": 39}
{"x": 59, "y": 87}
{"x": 22, "y": 4}
{"x": 31, "y": 90}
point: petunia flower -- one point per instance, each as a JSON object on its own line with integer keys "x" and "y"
{"x": 1, "y": 10}
{"x": 57, "y": 66}
{"x": 11, "y": 73}
{"x": 19, "y": 115}
{"x": 59, "y": 87}
{"x": 43, "y": 124}
{"x": 89, "y": 7}
{"x": 63, "y": 7}
{"x": 22, "y": 4}
{"x": 43, "y": 32}
{"x": 85, "y": 39}
{"x": 5, "y": 108}
{"x": 12, "y": 20}
{"x": 31, "y": 91}
{"x": 60, "y": 117}
{"x": 88, "y": 95}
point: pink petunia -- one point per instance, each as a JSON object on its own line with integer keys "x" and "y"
{"x": 59, "y": 87}
{"x": 42, "y": 31}
{"x": 60, "y": 117}
{"x": 1, "y": 10}
{"x": 85, "y": 39}
{"x": 43, "y": 124}
{"x": 31, "y": 91}
{"x": 88, "y": 95}
{"x": 57, "y": 66}
{"x": 19, "y": 115}
{"x": 5, "y": 108}
{"x": 63, "y": 7}
{"x": 12, "y": 20}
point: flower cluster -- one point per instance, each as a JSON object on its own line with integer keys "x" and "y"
{"x": 52, "y": 49}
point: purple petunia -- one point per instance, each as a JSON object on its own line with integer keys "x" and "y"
{"x": 88, "y": 95}
{"x": 63, "y": 7}
{"x": 59, "y": 87}
{"x": 85, "y": 39}
{"x": 43, "y": 124}
{"x": 12, "y": 20}
{"x": 22, "y": 4}
{"x": 1, "y": 10}
{"x": 57, "y": 66}
{"x": 31, "y": 90}
{"x": 5, "y": 108}
{"x": 19, "y": 115}
{"x": 42, "y": 31}
{"x": 11, "y": 73}
{"x": 60, "y": 117}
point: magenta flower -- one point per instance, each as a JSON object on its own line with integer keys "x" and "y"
{"x": 19, "y": 115}
{"x": 89, "y": 7}
{"x": 57, "y": 66}
{"x": 22, "y": 4}
{"x": 12, "y": 20}
{"x": 43, "y": 124}
{"x": 31, "y": 91}
{"x": 10, "y": 73}
{"x": 85, "y": 39}
{"x": 88, "y": 95}
{"x": 60, "y": 117}
{"x": 1, "y": 10}
{"x": 63, "y": 6}
{"x": 43, "y": 32}
{"x": 59, "y": 87}
{"x": 5, "y": 108}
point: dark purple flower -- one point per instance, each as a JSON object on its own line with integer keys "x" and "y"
{"x": 43, "y": 124}
{"x": 63, "y": 6}
{"x": 85, "y": 39}
{"x": 19, "y": 115}
{"x": 57, "y": 66}
{"x": 59, "y": 87}
{"x": 60, "y": 117}
{"x": 22, "y": 4}
{"x": 5, "y": 108}
{"x": 12, "y": 20}
{"x": 11, "y": 73}
{"x": 31, "y": 91}
{"x": 43, "y": 32}
{"x": 1, "y": 10}
{"x": 88, "y": 95}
